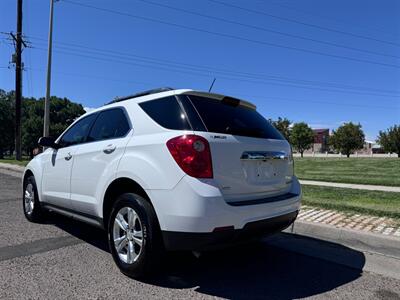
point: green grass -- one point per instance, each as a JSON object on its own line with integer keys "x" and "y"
{"x": 380, "y": 204}
{"x": 379, "y": 171}
{"x": 15, "y": 162}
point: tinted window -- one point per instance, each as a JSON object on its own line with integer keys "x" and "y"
{"x": 78, "y": 132}
{"x": 166, "y": 112}
{"x": 109, "y": 124}
{"x": 230, "y": 118}
{"x": 194, "y": 118}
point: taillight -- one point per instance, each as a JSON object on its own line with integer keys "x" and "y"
{"x": 192, "y": 154}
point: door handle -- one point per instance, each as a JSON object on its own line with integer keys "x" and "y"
{"x": 109, "y": 149}
{"x": 68, "y": 157}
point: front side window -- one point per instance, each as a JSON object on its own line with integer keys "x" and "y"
{"x": 78, "y": 132}
{"x": 109, "y": 124}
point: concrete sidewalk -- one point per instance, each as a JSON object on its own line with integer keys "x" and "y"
{"x": 369, "y": 187}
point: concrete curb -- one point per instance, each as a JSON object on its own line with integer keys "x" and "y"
{"x": 11, "y": 167}
{"x": 337, "y": 253}
{"x": 364, "y": 241}
{"x": 12, "y": 170}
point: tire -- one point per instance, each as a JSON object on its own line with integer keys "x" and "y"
{"x": 140, "y": 224}
{"x": 30, "y": 201}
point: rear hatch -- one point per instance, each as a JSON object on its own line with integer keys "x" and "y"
{"x": 250, "y": 158}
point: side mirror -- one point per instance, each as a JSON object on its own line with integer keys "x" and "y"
{"x": 48, "y": 142}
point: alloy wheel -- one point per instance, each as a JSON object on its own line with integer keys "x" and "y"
{"x": 29, "y": 198}
{"x": 128, "y": 235}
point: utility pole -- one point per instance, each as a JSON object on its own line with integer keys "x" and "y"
{"x": 18, "y": 81}
{"x": 46, "y": 124}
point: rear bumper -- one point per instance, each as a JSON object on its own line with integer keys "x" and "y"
{"x": 174, "y": 240}
{"x": 198, "y": 206}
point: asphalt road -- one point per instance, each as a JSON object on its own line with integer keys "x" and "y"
{"x": 67, "y": 259}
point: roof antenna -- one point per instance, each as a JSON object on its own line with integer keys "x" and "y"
{"x": 212, "y": 84}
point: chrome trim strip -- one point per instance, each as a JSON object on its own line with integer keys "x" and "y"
{"x": 264, "y": 155}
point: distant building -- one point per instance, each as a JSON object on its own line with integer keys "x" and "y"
{"x": 371, "y": 147}
{"x": 321, "y": 138}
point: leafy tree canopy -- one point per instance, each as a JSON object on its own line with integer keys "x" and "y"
{"x": 62, "y": 113}
{"x": 282, "y": 124}
{"x": 390, "y": 139}
{"x": 348, "y": 138}
{"x": 301, "y": 137}
{"x": 7, "y": 113}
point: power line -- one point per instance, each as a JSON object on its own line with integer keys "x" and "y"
{"x": 226, "y": 71}
{"x": 178, "y": 69}
{"x": 300, "y": 101}
{"x": 230, "y": 36}
{"x": 29, "y": 57}
{"x": 303, "y": 23}
{"x": 98, "y": 77}
{"x": 266, "y": 29}
{"x": 335, "y": 20}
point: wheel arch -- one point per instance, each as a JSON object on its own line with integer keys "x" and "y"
{"x": 27, "y": 173}
{"x": 35, "y": 169}
{"x": 117, "y": 187}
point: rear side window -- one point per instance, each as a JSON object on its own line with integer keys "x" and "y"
{"x": 78, "y": 132}
{"x": 228, "y": 118}
{"x": 167, "y": 113}
{"x": 109, "y": 124}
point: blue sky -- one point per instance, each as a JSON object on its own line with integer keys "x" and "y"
{"x": 322, "y": 62}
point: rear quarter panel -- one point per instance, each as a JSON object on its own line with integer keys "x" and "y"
{"x": 148, "y": 161}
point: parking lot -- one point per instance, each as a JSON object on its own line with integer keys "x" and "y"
{"x": 67, "y": 259}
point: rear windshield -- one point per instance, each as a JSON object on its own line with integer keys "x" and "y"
{"x": 221, "y": 117}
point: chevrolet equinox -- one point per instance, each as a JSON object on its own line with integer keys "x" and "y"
{"x": 167, "y": 170}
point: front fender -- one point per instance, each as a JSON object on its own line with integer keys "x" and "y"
{"x": 35, "y": 167}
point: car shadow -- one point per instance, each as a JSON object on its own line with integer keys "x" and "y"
{"x": 89, "y": 234}
{"x": 257, "y": 270}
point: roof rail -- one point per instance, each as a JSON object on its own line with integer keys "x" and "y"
{"x": 144, "y": 93}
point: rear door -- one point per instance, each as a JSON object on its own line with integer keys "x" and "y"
{"x": 251, "y": 159}
{"x": 97, "y": 159}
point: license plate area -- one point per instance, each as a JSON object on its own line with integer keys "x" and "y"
{"x": 261, "y": 167}
{"x": 260, "y": 171}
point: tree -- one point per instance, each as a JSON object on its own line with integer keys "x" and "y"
{"x": 6, "y": 121}
{"x": 301, "y": 137}
{"x": 390, "y": 139}
{"x": 347, "y": 138}
{"x": 62, "y": 113}
{"x": 283, "y": 126}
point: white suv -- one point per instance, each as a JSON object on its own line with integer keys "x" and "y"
{"x": 167, "y": 170}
